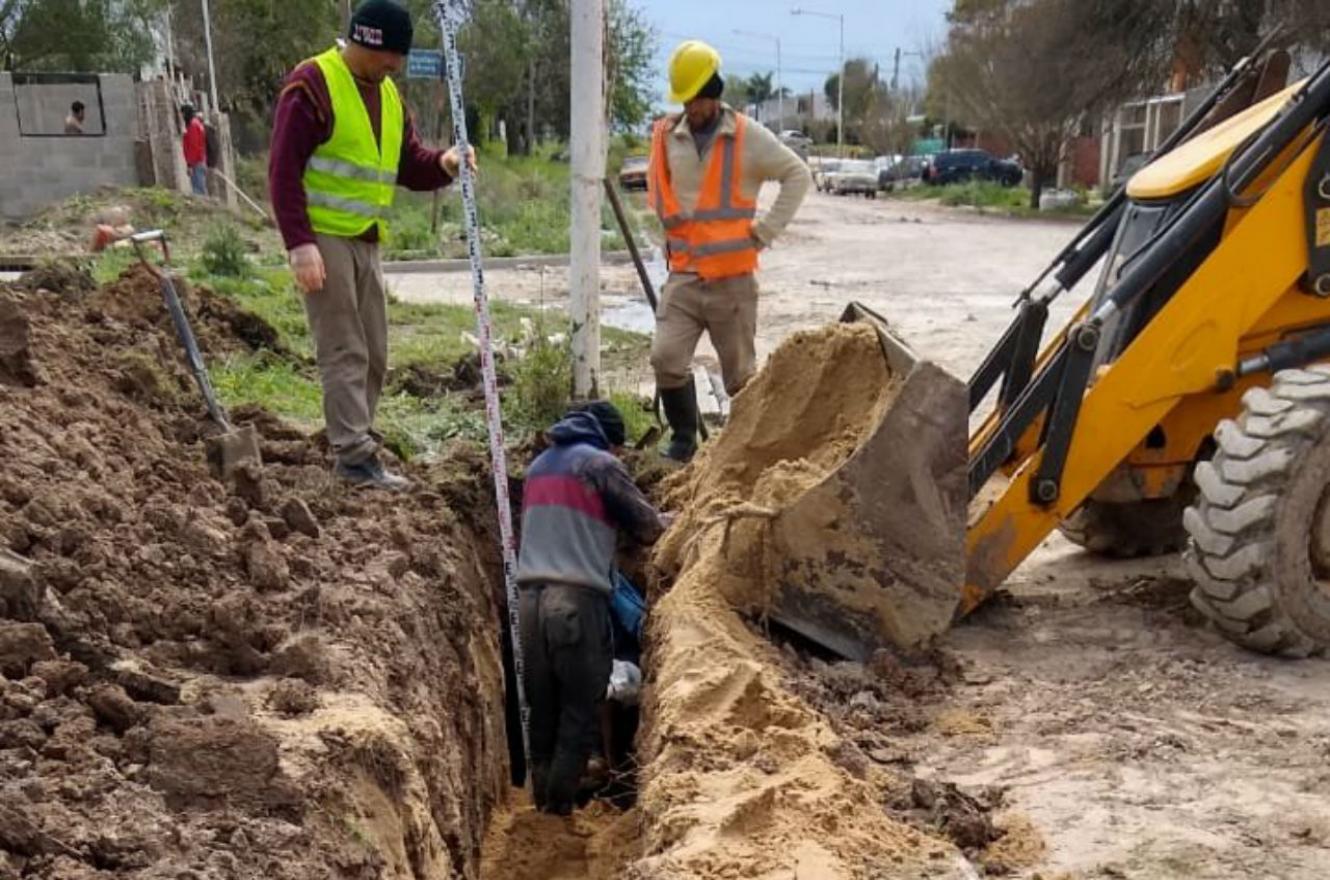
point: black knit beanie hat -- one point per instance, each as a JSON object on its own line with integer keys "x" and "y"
{"x": 382, "y": 25}
{"x": 714, "y": 88}
{"x": 610, "y": 419}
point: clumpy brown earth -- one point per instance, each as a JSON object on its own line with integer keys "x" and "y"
{"x": 272, "y": 678}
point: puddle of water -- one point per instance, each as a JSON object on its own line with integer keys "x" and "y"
{"x": 632, "y": 311}
{"x": 627, "y": 313}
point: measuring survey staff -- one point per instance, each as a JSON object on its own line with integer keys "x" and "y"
{"x": 342, "y": 142}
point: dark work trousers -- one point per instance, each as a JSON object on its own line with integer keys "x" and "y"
{"x": 567, "y": 654}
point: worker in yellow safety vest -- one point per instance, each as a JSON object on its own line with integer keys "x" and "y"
{"x": 342, "y": 142}
{"x": 707, "y": 166}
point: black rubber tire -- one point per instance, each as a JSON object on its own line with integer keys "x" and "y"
{"x": 1258, "y": 548}
{"x": 1152, "y": 527}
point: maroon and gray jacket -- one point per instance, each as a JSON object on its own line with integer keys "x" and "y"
{"x": 576, "y": 498}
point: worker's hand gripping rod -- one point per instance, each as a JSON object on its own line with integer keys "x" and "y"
{"x": 450, "y": 14}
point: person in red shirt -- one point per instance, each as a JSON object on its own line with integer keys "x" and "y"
{"x": 196, "y": 150}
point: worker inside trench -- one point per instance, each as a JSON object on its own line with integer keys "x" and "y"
{"x": 611, "y": 771}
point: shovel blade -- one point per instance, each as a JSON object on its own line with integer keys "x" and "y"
{"x": 231, "y": 449}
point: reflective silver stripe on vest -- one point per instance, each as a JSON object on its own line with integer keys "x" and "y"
{"x": 726, "y": 211}
{"x": 726, "y": 214}
{"x": 727, "y": 173}
{"x": 347, "y": 169}
{"x": 351, "y": 206}
{"x": 728, "y": 246}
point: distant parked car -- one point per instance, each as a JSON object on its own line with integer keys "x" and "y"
{"x": 822, "y": 169}
{"x": 907, "y": 172}
{"x": 882, "y": 163}
{"x": 796, "y": 139}
{"x": 958, "y": 166}
{"x": 855, "y": 176}
{"x": 633, "y": 173}
{"x": 1130, "y": 165}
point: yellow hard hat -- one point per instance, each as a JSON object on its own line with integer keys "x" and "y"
{"x": 692, "y": 66}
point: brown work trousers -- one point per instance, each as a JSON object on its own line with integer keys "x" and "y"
{"x": 349, "y": 322}
{"x": 726, "y": 309}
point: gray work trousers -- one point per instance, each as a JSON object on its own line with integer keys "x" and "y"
{"x": 349, "y": 322}
{"x": 567, "y": 654}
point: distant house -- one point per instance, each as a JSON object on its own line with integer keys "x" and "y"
{"x": 809, "y": 112}
{"x": 1138, "y": 127}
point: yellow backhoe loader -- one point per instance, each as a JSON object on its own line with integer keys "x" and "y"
{"x": 1188, "y": 401}
{"x": 1186, "y": 404}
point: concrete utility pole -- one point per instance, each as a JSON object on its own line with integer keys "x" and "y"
{"x": 587, "y": 116}
{"x": 212, "y": 68}
{"x": 840, "y": 77}
{"x": 780, "y": 94}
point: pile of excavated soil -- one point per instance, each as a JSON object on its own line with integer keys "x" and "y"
{"x": 270, "y": 678}
{"x": 818, "y": 398}
{"x": 743, "y": 773}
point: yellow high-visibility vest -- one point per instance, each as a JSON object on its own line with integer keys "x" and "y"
{"x": 350, "y": 180}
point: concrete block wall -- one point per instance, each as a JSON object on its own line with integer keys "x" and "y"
{"x": 42, "y": 108}
{"x": 40, "y": 171}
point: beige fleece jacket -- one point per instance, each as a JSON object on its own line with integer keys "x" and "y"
{"x": 764, "y": 158}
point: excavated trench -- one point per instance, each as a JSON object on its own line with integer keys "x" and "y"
{"x": 274, "y": 677}
{"x": 758, "y": 758}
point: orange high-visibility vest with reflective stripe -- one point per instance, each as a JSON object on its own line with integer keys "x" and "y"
{"x": 714, "y": 239}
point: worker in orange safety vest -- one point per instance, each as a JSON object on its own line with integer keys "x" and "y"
{"x": 706, "y": 168}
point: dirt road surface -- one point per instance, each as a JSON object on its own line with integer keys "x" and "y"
{"x": 1137, "y": 742}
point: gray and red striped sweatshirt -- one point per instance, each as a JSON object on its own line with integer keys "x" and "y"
{"x": 576, "y": 499}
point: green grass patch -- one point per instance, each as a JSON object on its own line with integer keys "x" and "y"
{"x": 522, "y": 204}
{"x": 111, "y": 263}
{"x": 988, "y": 196}
{"x": 637, "y": 415}
{"x": 225, "y": 252}
{"x": 277, "y": 384}
{"x": 984, "y": 194}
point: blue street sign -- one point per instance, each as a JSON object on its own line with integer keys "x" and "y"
{"x": 424, "y": 64}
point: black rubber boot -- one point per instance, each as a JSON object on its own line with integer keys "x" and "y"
{"x": 681, "y": 412}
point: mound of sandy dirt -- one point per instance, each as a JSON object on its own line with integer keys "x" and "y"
{"x": 815, "y": 402}
{"x": 743, "y": 775}
{"x": 274, "y": 678}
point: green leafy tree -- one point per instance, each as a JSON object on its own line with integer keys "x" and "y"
{"x": 863, "y": 88}
{"x": 255, "y": 44}
{"x": 77, "y": 35}
{"x": 495, "y": 43}
{"x": 760, "y": 87}
{"x": 1034, "y": 70}
{"x": 630, "y": 53}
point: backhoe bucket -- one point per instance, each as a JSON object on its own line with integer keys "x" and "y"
{"x": 874, "y": 554}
